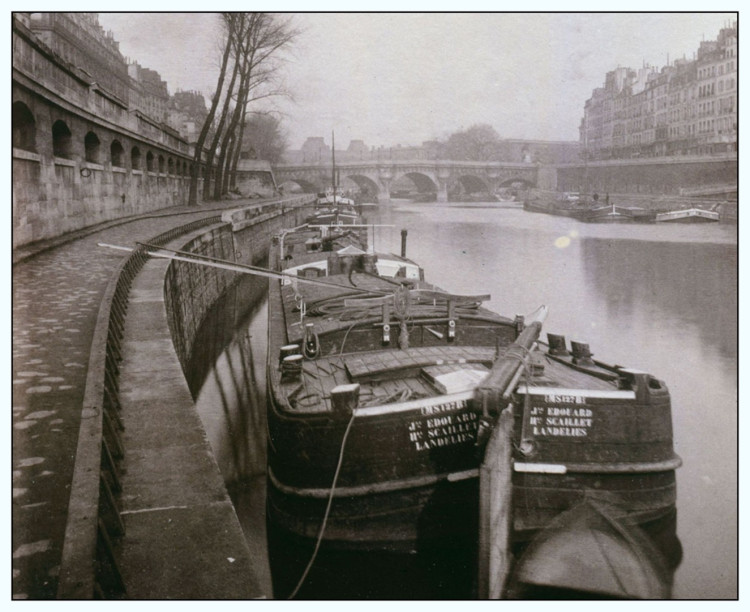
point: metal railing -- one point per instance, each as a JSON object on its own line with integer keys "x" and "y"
{"x": 89, "y": 569}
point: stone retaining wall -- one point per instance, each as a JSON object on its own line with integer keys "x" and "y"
{"x": 191, "y": 290}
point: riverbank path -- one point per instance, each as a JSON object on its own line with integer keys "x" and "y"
{"x": 56, "y": 290}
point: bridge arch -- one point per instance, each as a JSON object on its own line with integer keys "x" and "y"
{"x": 299, "y": 184}
{"x": 467, "y": 184}
{"x": 516, "y": 183}
{"x": 368, "y": 187}
{"x": 423, "y": 181}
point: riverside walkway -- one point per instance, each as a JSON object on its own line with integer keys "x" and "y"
{"x": 57, "y": 288}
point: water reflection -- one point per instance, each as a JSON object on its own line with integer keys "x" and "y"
{"x": 658, "y": 298}
{"x": 231, "y": 402}
{"x": 682, "y": 285}
{"x": 231, "y": 405}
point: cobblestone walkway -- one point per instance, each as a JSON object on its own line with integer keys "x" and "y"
{"x": 56, "y": 296}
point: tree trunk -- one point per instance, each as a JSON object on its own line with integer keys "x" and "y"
{"x": 237, "y": 33}
{"x": 195, "y": 168}
{"x": 238, "y": 150}
{"x": 227, "y": 166}
{"x": 211, "y": 153}
{"x": 229, "y": 133}
{"x": 258, "y": 36}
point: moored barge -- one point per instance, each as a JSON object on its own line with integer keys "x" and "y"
{"x": 375, "y": 433}
{"x": 688, "y": 215}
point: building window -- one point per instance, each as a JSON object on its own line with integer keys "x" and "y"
{"x": 62, "y": 140}
{"x": 161, "y": 164}
{"x": 150, "y": 161}
{"x": 92, "y": 145}
{"x": 24, "y": 127}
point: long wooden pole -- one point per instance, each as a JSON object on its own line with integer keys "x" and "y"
{"x": 224, "y": 264}
{"x": 495, "y": 499}
{"x": 495, "y": 486}
{"x": 212, "y": 262}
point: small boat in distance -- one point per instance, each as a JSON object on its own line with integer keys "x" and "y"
{"x": 688, "y": 215}
{"x": 618, "y": 214}
{"x": 606, "y": 214}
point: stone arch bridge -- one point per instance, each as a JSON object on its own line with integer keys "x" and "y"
{"x": 429, "y": 176}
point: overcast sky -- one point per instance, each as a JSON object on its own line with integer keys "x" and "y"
{"x": 402, "y": 78}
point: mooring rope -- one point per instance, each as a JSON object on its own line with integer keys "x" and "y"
{"x": 327, "y": 512}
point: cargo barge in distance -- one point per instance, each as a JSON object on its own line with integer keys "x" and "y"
{"x": 375, "y": 436}
{"x": 590, "y": 210}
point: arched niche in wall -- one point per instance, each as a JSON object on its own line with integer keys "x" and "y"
{"x": 117, "y": 154}
{"x": 24, "y": 127}
{"x": 135, "y": 158}
{"x": 62, "y": 140}
{"x": 92, "y": 145}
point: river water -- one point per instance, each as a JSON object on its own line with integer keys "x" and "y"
{"x": 659, "y": 298}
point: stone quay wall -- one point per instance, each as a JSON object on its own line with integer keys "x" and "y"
{"x": 244, "y": 237}
{"x": 650, "y": 177}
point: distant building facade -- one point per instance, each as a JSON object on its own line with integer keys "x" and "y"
{"x": 315, "y": 149}
{"x": 187, "y": 112}
{"x": 358, "y": 148}
{"x": 149, "y": 92}
{"x": 80, "y": 40}
{"x": 687, "y": 108}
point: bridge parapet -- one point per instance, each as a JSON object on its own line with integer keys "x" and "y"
{"x": 429, "y": 163}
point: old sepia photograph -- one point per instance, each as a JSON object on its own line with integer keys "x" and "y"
{"x": 374, "y": 305}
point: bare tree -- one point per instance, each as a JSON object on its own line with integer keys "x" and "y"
{"x": 227, "y": 19}
{"x": 237, "y": 31}
{"x": 260, "y": 37}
